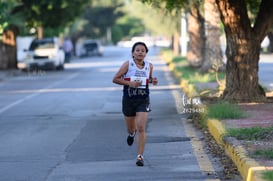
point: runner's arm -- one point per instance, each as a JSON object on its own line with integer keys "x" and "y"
{"x": 152, "y": 79}
{"x": 118, "y": 78}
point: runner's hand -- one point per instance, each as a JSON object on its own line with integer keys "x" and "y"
{"x": 135, "y": 84}
{"x": 154, "y": 81}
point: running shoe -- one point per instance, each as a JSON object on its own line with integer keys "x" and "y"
{"x": 131, "y": 138}
{"x": 140, "y": 161}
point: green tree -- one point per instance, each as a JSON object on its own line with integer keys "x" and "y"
{"x": 131, "y": 26}
{"x": 244, "y": 34}
{"x": 157, "y": 21}
{"x": 98, "y": 20}
{"x": 161, "y": 20}
{"x": 8, "y": 32}
{"x": 203, "y": 29}
{"x": 49, "y": 14}
{"x": 5, "y": 18}
{"x": 117, "y": 34}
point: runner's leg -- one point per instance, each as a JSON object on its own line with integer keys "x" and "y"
{"x": 131, "y": 124}
{"x": 141, "y": 119}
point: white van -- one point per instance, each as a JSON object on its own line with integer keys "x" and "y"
{"x": 43, "y": 53}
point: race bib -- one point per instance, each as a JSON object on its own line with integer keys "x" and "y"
{"x": 143, "y": 81}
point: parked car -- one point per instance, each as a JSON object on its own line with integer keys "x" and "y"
{"x": 89, "y": 48}
{"x": 43, "y": 53}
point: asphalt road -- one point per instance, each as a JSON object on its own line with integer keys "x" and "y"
{"x": 67, "y": 126}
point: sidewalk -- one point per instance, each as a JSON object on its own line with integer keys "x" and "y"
{"x": 259, "y": 115}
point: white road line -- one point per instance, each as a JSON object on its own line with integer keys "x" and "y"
{"x": 36, "y": 93}
{"x": 83, "y": 89}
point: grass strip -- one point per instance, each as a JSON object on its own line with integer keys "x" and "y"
{"x": 268, "y": 175}
{"x": 225, "y": 110}
{"x": 268, "y": 153}
{"x": 253, "y": 133}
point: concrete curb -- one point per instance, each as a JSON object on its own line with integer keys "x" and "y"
{"x": 249, "y": 169}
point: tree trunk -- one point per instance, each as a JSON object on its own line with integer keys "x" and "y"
{"x": 242, "y": 82}
{"x": 213, "y": 51}
{"x": 3, "y": 57}
{"x": 243, "y": 48}
{"x": 8, "y": 49}
{"x": 176, "y": 47}
{"x": 196, "y": 36}
{"x": 40, "y": 32}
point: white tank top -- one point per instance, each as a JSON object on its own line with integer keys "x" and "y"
{"x": 136, "y": 74}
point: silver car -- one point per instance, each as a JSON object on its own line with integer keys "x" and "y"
{"x": 90, "y": 48}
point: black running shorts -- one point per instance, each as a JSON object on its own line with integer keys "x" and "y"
{"x": 131, "y": 106}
